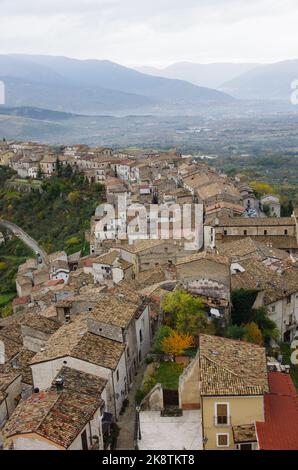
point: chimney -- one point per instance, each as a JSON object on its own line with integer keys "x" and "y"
{"x": 59, "y": 382}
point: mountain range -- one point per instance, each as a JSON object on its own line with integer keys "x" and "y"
{"x": 207, "y": 75}
{"x": 95, "y": 87}
{"x": 246, "y": 81}
{"x": 266, "y": 82}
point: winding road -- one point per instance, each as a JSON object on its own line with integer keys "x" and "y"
{"x": 29, "y": 241}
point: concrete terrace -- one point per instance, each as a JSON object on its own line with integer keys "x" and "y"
{"x": 171, "y": 433}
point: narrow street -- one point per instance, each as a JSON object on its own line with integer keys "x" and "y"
{"x": 126, "y": 422}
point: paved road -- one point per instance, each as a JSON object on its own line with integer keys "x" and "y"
{"x": 19, "y": 232}
{"x": 126, "y": 422}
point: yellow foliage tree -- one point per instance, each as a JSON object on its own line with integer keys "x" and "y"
{"x": 74, "y": 197}
{"x": 253, "y": 334}
{"x": 176, "y": 343}
{"x": 261, "y": 188}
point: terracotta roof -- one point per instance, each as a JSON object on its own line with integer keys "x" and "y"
{"x": 150, "y": 277}
{"x": 73, "y": 339}
{"x": 115, "y": 310}
{"x": 142, "y": 245}
{"x": 13, "y": 331}
{"x": 244, "y": 433}
{"x": 280, "y": 429}
{"x": 256, "y": 221}
{"x": 99, "y": 350}
{"x": 203, "y": 255}
{"x": 263, "y": 278}
{"x": 41, "y": 323}
{"x": 230, "y": 367}
{"x": 7, "y": 378}
{"x": 81, "y": 382}
{"x": 281, "y": 242}
{"x": 20, "y": 300}
{"x": 59, "y": 417}
{"x": 107, "y": 258}
{"x": 11, "y": 347}
{"x": 250, "y": 248}
{"x": 281, "y": 384}
{"x": 53, "y": 282}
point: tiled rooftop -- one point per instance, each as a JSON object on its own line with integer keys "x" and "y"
{"x": 250, "y": 248}
{"x": 280, "y": 429}
{"x": 245, "y": 433}
{"x": 114, "y": 310}
{"x": 142, "y": 245}
{"x": 41, "y": 323}
{"x": 81, "y": 382}
{"x": 58, "y": 417}
{"x": 230, "y": 367}
{"x": 262, "y": 278}
{"x": 201, "y": 256}
{"x": 256, "y": 221}
{"x": 72, "y": 339}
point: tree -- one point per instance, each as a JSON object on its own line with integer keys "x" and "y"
{"x": 242, "y": 302}
{"x": 176, "y": 343}
{"x": 39, "y": 174}
{"x": 267, "y": 326}
{"x": 74, "y": 197}
{"x": 234, "y": 332}
{"x": 260, "y": 188}
{"x": 163, "y": 332}
{"x": 185, "y": 313}
{"x": 3, "y": 266}
{"x": 58, "y": 167}
{"x": 253, "y": 334}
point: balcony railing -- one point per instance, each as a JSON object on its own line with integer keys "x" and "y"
{"x": 222, "y": 421}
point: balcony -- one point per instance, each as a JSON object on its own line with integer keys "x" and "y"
{"x": 222, "y": 421}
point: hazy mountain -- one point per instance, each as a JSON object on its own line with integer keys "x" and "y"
{"x": 94, "y": 86}
{"x": 206, "y": 75}
{"x": 267, "y": 82}
{"x": 35, "y": 113}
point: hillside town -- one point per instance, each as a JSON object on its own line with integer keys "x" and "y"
{"x": 153, "y": 340}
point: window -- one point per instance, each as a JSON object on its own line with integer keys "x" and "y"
{"x": 286, "y": 232}
{"x": 247, "y": 446}
{"x": 117, "y": 375}
{"x": 222, "y": 440}
{"x": 245, "y": 232}
{"x": 265, "y": 232}
{"x": 225, "y": 232}
{"x": 141, "y": 336}
{"x": 222, "y": 414}
{"x": 84, "y": 440}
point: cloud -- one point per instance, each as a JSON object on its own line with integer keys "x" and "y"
{"x": 156, "y": 32}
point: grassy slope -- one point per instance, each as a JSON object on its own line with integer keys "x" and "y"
{"x": 12, "y": 253}
{"x": 56, "y": 218}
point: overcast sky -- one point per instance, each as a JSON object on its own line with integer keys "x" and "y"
{"x": 152, "y": 32}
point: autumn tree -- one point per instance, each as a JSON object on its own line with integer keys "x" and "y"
{"x": 185, "y": 313}
{"x": 253, "y": 334}
{"x": 177, "y": 343}
{"x": 261, "y": 189}
{"x": 74, "y": 197}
